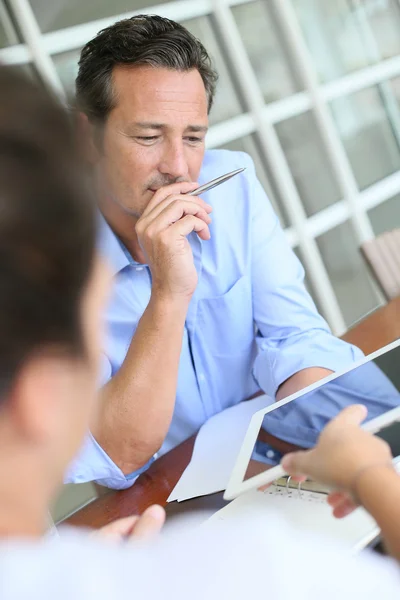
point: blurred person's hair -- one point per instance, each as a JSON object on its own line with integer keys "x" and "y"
{"x": 47, "y": 228}
{"x": 144, "y": 40}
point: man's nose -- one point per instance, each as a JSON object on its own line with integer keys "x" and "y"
{"x": 174, "y": 163}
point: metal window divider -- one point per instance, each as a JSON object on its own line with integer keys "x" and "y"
{"x": 336, "y": 153}
{"x": 29, "y": 27}
{"x": 270, "y": 143}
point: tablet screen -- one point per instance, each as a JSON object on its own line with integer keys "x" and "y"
{"x": 298, "y": 423}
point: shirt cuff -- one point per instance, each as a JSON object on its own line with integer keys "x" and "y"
{"x": 94, "y": 464}
{"x": 275, "y": 364}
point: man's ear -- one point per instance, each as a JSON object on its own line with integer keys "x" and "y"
{"x": 36, "y": 398}
{"x": 87, "y": 136}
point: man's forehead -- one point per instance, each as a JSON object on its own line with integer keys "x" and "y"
{"x": 148, "y": 87}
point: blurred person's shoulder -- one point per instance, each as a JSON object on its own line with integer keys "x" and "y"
{"x": 231, "y": 560}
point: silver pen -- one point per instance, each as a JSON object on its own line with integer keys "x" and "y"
{"x": 214, "y": 182}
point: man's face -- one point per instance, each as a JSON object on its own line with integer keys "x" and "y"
{"x": 154, "y": 136}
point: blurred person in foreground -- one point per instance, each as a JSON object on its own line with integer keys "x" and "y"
{"x": 209, "y": 305}
{"x": 53, "y": 288}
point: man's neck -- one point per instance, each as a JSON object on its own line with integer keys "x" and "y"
{"x": 24, "y": 498}
{"x": 123, "y": 226}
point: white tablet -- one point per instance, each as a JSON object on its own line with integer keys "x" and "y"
{"x": 296, "y": 421}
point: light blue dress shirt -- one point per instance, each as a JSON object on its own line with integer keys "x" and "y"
{"x": 251, "y": 324}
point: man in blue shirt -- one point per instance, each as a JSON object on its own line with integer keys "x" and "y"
{"x": 209, "y": 305}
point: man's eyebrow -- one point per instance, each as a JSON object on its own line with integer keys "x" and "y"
{"x": 158, "y": 126}
{"x": 147, "y": 125}
{"x": 197, "y": 128}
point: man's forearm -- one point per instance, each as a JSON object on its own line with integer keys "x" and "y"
{"x": 137, "y": 404}
{"x": 301, "y": 380}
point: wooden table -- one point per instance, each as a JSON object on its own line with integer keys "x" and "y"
{"x": 154, "y": 486}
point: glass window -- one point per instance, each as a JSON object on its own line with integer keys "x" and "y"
{"x": 67, "y": 69}
{"x": 307, "y": 281}
{"x": 71, "y": 498}
{"x": 347, "y": 272}
{"x": 65, "y": 13}
{"x": 3, "y": 36}
{"x": 346, "y": 35}
{"x": 386, "y": 216}
{"x": 249, "y": 144}
{"x": 266, "y": 54}
{"x": 8, "y": 31}
{"x": 226, "y": 102}
{"x": 308, "y": 162}
{"x": 370, "y": 137}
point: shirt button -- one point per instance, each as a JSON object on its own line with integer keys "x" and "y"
{"x": 139, "y": 268}
{"x": 270, "y": 454}
{"x": 201, "y": 377}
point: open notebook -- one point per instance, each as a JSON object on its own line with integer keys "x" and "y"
{"x": 297, "y": 422}
{"x": 304, "y": 509}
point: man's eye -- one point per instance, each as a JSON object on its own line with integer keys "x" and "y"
{"x": 194, "y": 140}
{"x": 149, "y": 138}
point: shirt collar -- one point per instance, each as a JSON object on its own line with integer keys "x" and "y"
{"x": 111, "y": 247}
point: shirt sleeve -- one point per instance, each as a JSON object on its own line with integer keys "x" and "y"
{"x": 292, "y": 335}
{"x": 93, "y": 463}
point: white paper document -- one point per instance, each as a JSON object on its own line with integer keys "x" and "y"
{"x": 308, "y": 511}
{"x": 216, "y": 448}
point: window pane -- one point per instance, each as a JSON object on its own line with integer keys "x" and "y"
{"x": 3, "y": 37}
{"x": 344, "y": 35}
{"x": 67, "y": 68}
{"x": 57, "y": 15}
{"x": 308, "y": 162}
{"x": 307, "y": 281}
{"x": 71, "y": 498}
{"x": 347, "y": 272}
{"x": 226, "y": 102}
{"x": 8, "y": 32}
{"x": 249, "y": 144}
{"x": 369, "y": 136}
{"x": 386, "y": 216}
{"x": 264, "y": 49}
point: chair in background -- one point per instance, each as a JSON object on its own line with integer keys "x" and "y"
{"x": 382, "y": 256}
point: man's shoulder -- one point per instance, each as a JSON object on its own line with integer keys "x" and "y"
{"x": 219, "y": 162}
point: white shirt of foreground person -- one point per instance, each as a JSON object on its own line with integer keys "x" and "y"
{"x": 226, "y": 562}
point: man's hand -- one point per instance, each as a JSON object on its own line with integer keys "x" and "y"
{"x": 343, "y": 451}
{"x": 148, "y": 525}
{"x": 162, "y": 232}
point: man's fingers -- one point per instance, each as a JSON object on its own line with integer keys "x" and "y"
{"x": 191, "y": 223}
{"x": 171, "y": 214}
{"x": 171, "y": 193}
{"x": 150, "y": 215}
{"x": 296, "y": 463}
{"x": 341, "y": 503}
{"x": 149, "y": 523}
{"x": 352, "y": 415}
{"x": 335, "y": 498}
{"x": 344, "y": 509}
{"x": 117, "y": 529}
